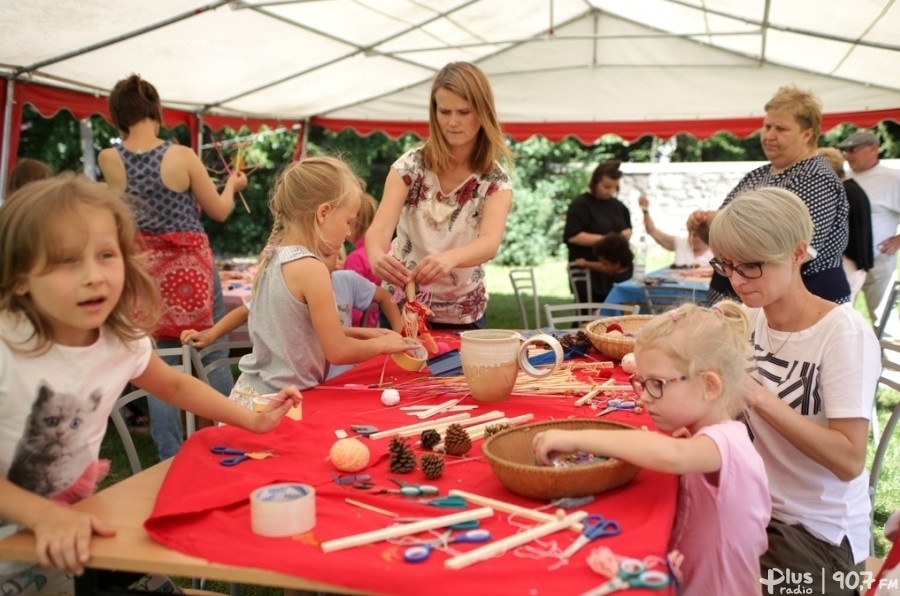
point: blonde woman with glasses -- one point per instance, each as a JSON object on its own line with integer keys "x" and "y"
{"x": 816, "y": 366}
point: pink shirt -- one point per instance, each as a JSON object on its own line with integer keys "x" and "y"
{"x": 358, "y": 261}
{"x": 721, "y": 530}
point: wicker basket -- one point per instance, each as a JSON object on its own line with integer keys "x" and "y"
{"x": 615, "y": 346}
{"x": 512, "y": 460}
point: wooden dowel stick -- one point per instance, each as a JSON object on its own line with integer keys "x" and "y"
{"x": 504, "y": 544}
{"x": 492, "y": 415}
{"x": 406, "y": 529}
{"x": 371, "y": 508}
{"x": 505, "y": 507}
{"x": 420, "y": 425}
{"x": 477, "y": 432}
{"x": 588, "y": 396}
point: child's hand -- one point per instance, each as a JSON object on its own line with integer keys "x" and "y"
{"x": 892, "y": 525}
{"x": 279, "y": 405}
{"x": 63, "y": 538}
{"x": 391, "y": 342}
{"x": 682, "y": 433}
{"x": 240, "y": 180}
{"x": 198, "y": 339}
{"x": 553, "y": 441}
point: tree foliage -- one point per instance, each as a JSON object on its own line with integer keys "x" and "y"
{"x": 546, "y": 175}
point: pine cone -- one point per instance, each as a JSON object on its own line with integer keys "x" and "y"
{"x": 402, "y": 460}
{"x": 432, "y": 465}
{"x": 493, "y": 429}
{"x": 456, "y": 440}
{"x": 430, "y": 438}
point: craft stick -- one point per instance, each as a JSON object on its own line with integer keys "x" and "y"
{"x": 437, "y": 409}
{"x": 406, "y": 529}
{"x": 372, "y": 508}
{"x": 505, "y": 544}
{"x": 419, "y": 425}
{"x": 505, "y": 507}
{"x": 244, "y": 201}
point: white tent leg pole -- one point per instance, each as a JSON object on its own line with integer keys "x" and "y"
{"x": 88, "y": 159}
{"x": 7, "y": 135}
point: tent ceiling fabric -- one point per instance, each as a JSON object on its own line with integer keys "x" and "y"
{"x": 549, "y": 61}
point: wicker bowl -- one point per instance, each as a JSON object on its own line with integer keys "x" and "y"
{"x": 615, "y": 346}
{"x": 512, "y": 460}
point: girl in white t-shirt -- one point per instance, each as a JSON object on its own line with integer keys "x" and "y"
{"x": 691, "y": 365}
{"x": 810, "y": 395}
{"x": 76, "y": 311}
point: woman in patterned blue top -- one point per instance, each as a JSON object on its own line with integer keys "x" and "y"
{"x": 789, "y": 138}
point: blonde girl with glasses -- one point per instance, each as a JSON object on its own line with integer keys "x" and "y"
{"x": 690, "y": 376}
{"x": 810, "y": 394}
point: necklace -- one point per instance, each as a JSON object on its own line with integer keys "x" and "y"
{"x": 796, "y": 327}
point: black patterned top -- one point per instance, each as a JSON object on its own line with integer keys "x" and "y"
{"x": 158, "y": 209}
{"x": 816, "y": 184}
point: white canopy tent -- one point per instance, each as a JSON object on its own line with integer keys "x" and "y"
{"x": 558, "y": 67}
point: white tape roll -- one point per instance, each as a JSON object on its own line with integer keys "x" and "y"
{"x": 285, "y": 509}
{"x": 557, "y": 353}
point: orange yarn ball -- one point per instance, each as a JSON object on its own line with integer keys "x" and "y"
{"x": 349, "y": 455}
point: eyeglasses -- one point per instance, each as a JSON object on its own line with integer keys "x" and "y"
{"x": 745, "y": 270}
{"x": 653, "y": 387}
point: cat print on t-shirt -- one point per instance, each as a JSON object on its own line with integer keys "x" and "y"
{"x": 53, "y": 452}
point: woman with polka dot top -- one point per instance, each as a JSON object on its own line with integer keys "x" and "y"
{"x": 789, "y": 138}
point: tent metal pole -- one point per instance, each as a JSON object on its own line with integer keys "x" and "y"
{"x": 5, "y": 158}
{"x": 200, "y": 136}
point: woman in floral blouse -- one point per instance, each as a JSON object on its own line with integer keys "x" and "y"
{"x": 448, "y": 201}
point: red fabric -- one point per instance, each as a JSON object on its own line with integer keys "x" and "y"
{"x": 891, "y": 561}
{"x": 182, "y": 265}
{"x": 203, "y": 508}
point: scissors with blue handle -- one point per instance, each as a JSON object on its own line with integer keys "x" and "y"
{"x": 632, "y": 574}
{"x": 420, "y": 552}
{"x": 595, "y": 526}
{"x": 617, "y": 404}
{"x": 239, "y": 455}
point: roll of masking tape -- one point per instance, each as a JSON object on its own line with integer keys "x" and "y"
{"x": 286, "y": 509}
{"x": 412, "y": 359}
{"x": 532, "y": 370}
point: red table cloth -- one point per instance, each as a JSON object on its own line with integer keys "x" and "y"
{"x": 203, "y": 508}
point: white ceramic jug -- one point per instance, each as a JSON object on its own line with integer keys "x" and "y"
{"x": 491, "y": 360}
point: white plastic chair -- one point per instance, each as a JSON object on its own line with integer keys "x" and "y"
{"x": 581, "y": 313}
{"x": 663, "y": 297}
{"x": 522, "y": 282}
{"x": 118, "y": 418}
{"x": 580, "y": 275}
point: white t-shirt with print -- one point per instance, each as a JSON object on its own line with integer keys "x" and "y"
{"x": 54, "y": 408}
{"x": 827, "y": 371}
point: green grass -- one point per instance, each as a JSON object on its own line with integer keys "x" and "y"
{"x": 553, "y": 288}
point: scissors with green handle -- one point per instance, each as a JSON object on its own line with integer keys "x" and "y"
{"x": 633, "y": 573}
{"x": 449, "y": 502}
